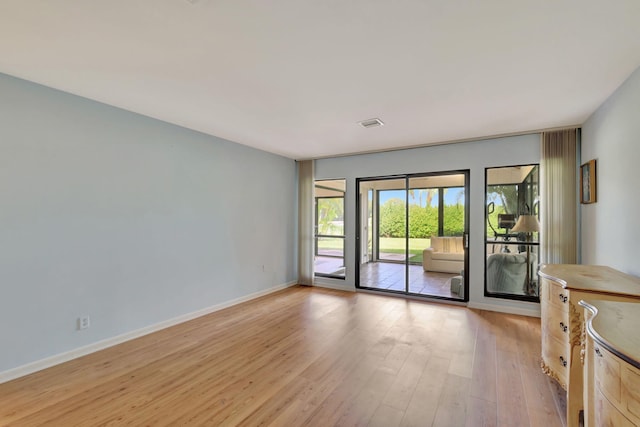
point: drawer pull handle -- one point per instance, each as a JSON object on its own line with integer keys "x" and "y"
{"x": 598, "y": 352}
{"x": 562, "y": 361}
{"x": 563, "y": 327}
{"x": 562, "y": 297}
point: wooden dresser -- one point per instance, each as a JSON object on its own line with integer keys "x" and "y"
{"x": 562, "y": 286}
{"x": 612, "y": 363}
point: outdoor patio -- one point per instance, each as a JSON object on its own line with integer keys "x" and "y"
{"x": 329, "y": 265}
{"x": 391, "y": 275}
{"x": 387, "y": 275}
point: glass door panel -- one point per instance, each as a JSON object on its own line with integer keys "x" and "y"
{"x": 382, "y": 234}
{"x": 437, "y": 224}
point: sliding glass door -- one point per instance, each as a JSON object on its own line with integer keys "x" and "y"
{"x": 412, "y": 234}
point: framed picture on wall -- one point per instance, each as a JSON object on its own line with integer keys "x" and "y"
{"x": 588, "y": 182}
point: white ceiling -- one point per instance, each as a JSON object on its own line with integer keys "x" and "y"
{"x": 294, "y": 77}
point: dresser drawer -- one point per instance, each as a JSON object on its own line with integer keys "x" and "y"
{"x": 555, "y": 322}
{"x": 618, "y": 382}
{"x": 606, "y": 414}
{"x": 555, "y": 355}
{"x": 631, "y": 392}
{"x": 606, "y": 372}
{"x": 557, "y": 295}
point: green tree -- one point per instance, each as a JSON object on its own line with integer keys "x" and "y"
{"x": 453, "y": 220}
{"x": 507, "y": 195}
{"x": 392, "y": 218}
{"x": 330, "y": 215}
{"x": 423, "y": 222}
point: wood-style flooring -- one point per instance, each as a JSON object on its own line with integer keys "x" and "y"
{"x": 304, "y": 356}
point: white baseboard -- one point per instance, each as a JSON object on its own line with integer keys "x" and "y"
{"x": 532, "y": 312}
{"x": 57, "y": 359}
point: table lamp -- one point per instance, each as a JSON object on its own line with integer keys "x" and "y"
{"x": 527, "y": 224}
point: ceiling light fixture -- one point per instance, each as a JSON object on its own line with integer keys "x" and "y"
{"x": 371, "y": 123}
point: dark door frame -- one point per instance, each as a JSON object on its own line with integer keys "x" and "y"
{"x": 466, "y": 245}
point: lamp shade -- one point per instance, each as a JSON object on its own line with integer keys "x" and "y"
{"x": 526, "y": 224}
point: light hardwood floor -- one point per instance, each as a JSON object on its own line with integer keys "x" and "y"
{"x": 304, "y": 356}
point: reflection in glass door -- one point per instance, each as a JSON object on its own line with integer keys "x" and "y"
{"x": 415, "y": 227}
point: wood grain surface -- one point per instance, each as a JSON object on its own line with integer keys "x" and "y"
{"x": 304, "y": 357}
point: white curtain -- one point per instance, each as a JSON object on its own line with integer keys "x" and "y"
{"x": 559, "y": 195}
{"x": 305, "y": 222}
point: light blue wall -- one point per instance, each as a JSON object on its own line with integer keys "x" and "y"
{"x": 610, "y": 231}
{"x": 475, "y": 156}
{"x": 130, "y": 220}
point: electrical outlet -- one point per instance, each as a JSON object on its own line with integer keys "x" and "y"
{"x": 84, "y": 322}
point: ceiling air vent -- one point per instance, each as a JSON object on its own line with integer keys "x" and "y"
{"x": 371, "y": 123}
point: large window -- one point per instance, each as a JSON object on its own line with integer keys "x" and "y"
{"x": 329, "y": 227}
{"x": 512, "y": 232}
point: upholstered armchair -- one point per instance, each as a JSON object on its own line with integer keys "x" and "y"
{"x": 446, "y": 255}
{"x": 507, "y": 273}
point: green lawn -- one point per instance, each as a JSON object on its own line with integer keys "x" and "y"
{"x": 397, "y": 245}
{"x": 388, "y": 245}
